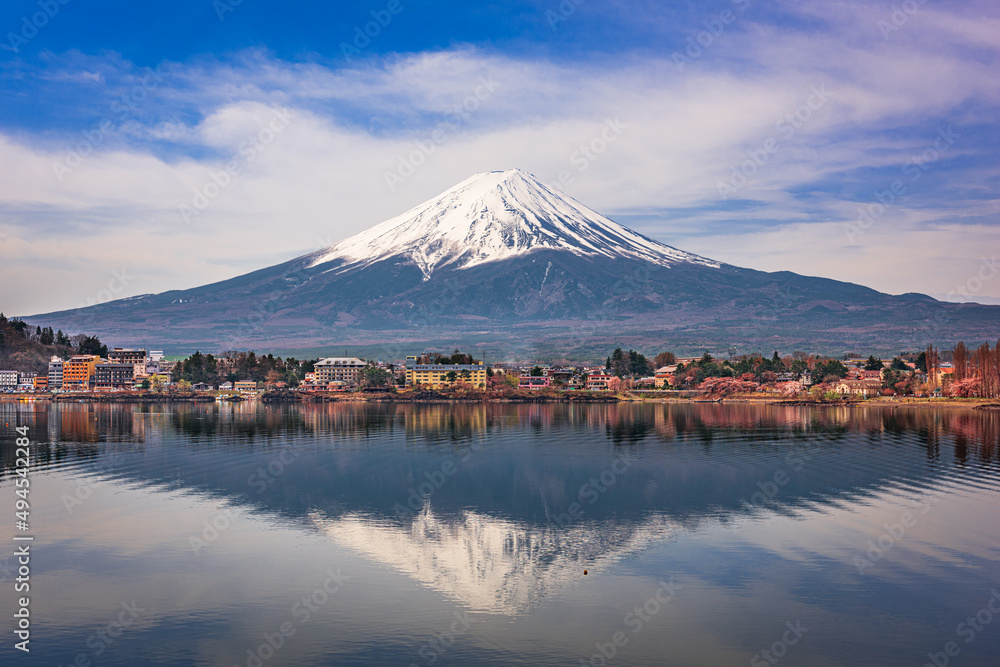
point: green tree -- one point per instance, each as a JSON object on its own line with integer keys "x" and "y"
{"x": 874, "y": 364}
{"x": 823, "y": 370}
{"x": 619, "y": 364}
{"x": 451, "y": 376}
{"x": 637, "y": 364}
{"x": 536, "y": 371}
{"x": 375, "y": 376}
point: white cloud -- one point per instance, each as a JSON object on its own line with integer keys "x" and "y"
{"x": 323, "y": 177}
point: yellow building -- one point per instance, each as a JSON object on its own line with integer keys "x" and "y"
{"x": 437, "y": 375}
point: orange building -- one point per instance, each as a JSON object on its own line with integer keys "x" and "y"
{"x": 78, "y": 371}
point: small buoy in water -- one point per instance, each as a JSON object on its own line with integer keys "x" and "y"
{"x": 584, "y": 573}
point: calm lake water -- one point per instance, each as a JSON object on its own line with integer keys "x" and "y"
{"x": 459, "y": 535}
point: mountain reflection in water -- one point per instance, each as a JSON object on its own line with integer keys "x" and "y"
{"x": 498, "y": 509}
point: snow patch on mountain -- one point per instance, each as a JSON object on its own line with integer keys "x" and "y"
{"x": 495, "y": 216}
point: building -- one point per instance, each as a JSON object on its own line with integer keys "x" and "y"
{"x": 245, "y": 385}
{"x": 437, "y": 375}
{"x": 121, "y": 355}
{"x": 945, "y": 370}
{"x": 339, "y": 369}
{"x": 55, "y": 373}
{"x": 226, "y": 386}
{"x": 161, "y": 378}
{"x": 8, "y": 380}
{"x": 201, "y": 386}
{"x": 140, "y": 372}
{"x": 868, "y": 387}
{"x": 598, "y": 382}
{"x": 41, "y": 383}
{"x": 664, "y": 377}
{"x": 78, "y": 371}
{"x": 530, "y": 382}
{"x": 113, "y": 376}
{"x": 26, "y": 381}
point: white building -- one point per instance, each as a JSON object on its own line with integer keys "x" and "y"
{"x": 8, "y": 380}
{"x": 339, "y": 369}
{"x": 55, "y": 373}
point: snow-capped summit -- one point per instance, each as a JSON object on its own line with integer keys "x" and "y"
{"x": 494, "y": 216}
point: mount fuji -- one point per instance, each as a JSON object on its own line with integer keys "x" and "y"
{"x": 503, "y": 262}
{"x": 493, "y": 217}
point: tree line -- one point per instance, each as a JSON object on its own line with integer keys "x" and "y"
{"x": 233, "y": 366}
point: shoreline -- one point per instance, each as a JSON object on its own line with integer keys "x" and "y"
{"x": 426, "y": 397}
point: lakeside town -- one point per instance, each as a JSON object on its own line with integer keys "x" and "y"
{"x": 89, "y": 368}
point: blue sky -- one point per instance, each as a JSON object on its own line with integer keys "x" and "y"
{"x": 118, "y": 122}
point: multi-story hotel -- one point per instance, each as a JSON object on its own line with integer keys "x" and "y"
{"x": 121, "y": 355}
{"x": 78, "y": 371}
{"x": 113, "y": 376}
{"x": 56, "y": 373}
{"x": 436, "y": 375}
{"x": 339, "y": 369}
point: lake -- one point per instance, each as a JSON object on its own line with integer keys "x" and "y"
{"x": 504, "y": 534}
